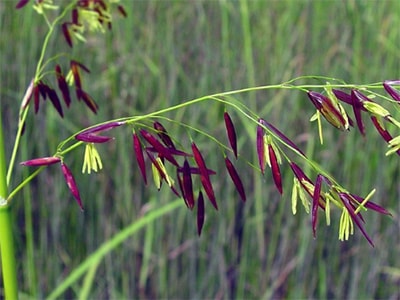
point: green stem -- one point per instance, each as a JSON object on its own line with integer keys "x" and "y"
{"x": 8, "y": 264}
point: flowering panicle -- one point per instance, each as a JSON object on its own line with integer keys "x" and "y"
{"x": 190, "y": 167}
{"x": 91, "y": 16}
{"x": 45, "y": 90}
{"x": 349, "y": 203}
{"x": 364, "y": 104}
{"x": 86, "y": 15}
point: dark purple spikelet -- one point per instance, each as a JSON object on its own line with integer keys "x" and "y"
{"x": 122, "y": 11}
{"x": 173, "y": 152}
{"x": 342, "y": 96}
{"x": 42, "y": 161}
{"x": 260, "y": 147}
{"x": 357, "y": 102}
{"x": 75, "y": 16}
{"x": 346, "y": 199}
{"x": 204, "y": 175}
{"x": 63, "y": 86}
{"x": 377, "y": 208}
{"x": 187, "y": 185}
{"x": 281, "y": 136}
{"x": 370, "y": 205}
{"x": 66, "y": 33}
{"x": 21, "y": 4}
{"x": 80, "y": 65}
{"x": 82, "y": 95}
{"x": 162, "y": 151}
{"x": 387, "y": 85}
{"x": 43, "y": 89}
{"x": 104, "y": 127}
{"x": 325, "y": 106}
{"x": 200, "y": 213}
{"x": 92, "y": 138}
{"x": 301, "y": 176}
{"x": 36, "y": 97}
{"x": 382, "y": 131}
{"x": 139, "y": 156}
{"x": 298, "y": 172}
{"x": 315, "y": 204}
{"x": 180, "y": 183}
{"x": 231, "y": 132}
{"x": 235, "y": 178}
{"x": 46, "y": 91}
{"x": 75, "y": 66}
{"x": 195, "y": 170}
{"x": 276, "y": 173}
{"x": 69, "y": 179}
{"x": 162, "y": 133}
{"x": 55, "y": 101}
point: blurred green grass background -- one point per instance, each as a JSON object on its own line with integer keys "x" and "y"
{"x": 167, "y": 52}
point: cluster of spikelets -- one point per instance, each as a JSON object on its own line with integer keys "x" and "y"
{"x": 86, "y": 16}
{"x": 154, "y": 145}
{"x": 159, "y": 149}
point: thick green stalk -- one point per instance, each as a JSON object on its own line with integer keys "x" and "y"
{"x": 8, "y": 264}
